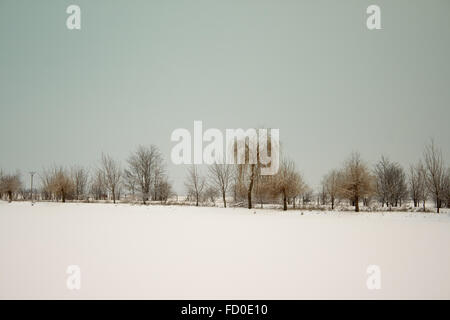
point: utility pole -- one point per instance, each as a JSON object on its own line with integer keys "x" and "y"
{"x": 32, "y": 173}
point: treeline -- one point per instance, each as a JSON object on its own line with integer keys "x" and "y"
{"x": 388, "y": 183}
{"x": 354, "y": 184}
{"x": 144, "y": 178}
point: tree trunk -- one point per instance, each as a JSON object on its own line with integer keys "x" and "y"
{"x": 332, "y": 203}
{"x": 196, "y": 198}
{"x": 356, "y": 204}
{"x": 250, "y": 187}
{"x": 284, "y": 201}
{"x": 10, "y": 196}
{"x": 224, "y": 201}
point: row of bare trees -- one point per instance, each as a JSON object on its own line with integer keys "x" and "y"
{"x": 144, "y": 177}
{"x": 222, "y": 179}
{"x": 428, "y": 179}
{"x": 355, "y": 182}
{"x": 10, "y": 185}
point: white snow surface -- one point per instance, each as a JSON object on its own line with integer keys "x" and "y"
{"x": 179, "y": 252}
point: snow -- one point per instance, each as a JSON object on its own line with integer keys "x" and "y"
{"x": 178, "y": 252}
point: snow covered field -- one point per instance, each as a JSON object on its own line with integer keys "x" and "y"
{"x": 176, "y": 252}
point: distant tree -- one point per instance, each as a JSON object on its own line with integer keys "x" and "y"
{"x": 46, "y": 184}
{"x": 287, "y": 182}
{"x": 391, "y": 185}
{"x": 160, "y": 181}
{"x": 307, "y": 195}
{"x": 112, "y": 175}
{"x": 80, "y": 177}
{"x": 195, "y": 183}
{"x": 248, "y": 172}
{"x": 211, "y": 193}
{"x": 220, "y": 178}
{"x": 10, "y": 184}
{"x": 98, "y": 185}
{"x": 1, "y": 191}
{"x": 130, "y": 182}
{"x": 447, "y": 188}
{"x": 164, "y": 190}
{"x": 422, "y": 189}
{"x": 417, "y": 184}
{"x": 435, "y": 173}
{"x": 263, "y": 189}
{"x": 61, "y": 184}
{"x": 142, "y": 164}
{"x": 357, "y": 182}
{"x": 330, "y": 184}
{"x": 413, "y": 181}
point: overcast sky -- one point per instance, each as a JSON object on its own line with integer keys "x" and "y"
{"x": 137, "y": 70}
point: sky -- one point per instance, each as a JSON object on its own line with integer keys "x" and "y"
{"x": 137, "y": 70}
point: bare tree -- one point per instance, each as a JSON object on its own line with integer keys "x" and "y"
{"x": 164, "y": 190}
{"x": 159, "y": 180}
{"x": 1, "y": 190}
{"x": 46, "y": 184}
{"x": 422, "y": 189}
{"x": 246, "y": 177}
{"x": 357, "y": 182}
{"x": 220, "y": 177}
{"x": 390, "y": 182}
{"x": 80, "y": 177}
{"x": 195, "y": 183}
{"x": 210, "y": 194}
{"x": 142, "y": 164}
{"x": 112, "y": 174}
{"x": 61, "y": 184}
{"x": 130, "y": 182}
{"x": 447, "y": 188}
{"x": 249, "y": 171}
{"x": 435, "y": 173}
{"x": 10, "y": 184}
{"x": 98, "y": 185}
{"x": 417, "y": 184}
{"x": 287, "y": 182}
{"x": 331, "y": 183}
{"x": 413, "y": 181}
{"x": 263, "y": 189}
{"x": 307, "y": 195}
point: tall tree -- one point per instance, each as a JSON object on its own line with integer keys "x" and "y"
{"x": 98, "y": 185}
{"x": 435, "y": 172}
{"x": 331, "y": 185}
{"x": 287, "y": 182}
{"x": 447, "y": 188}
{"x": 220, "y": 177}
{"x": 142, "y": 164}
{"x": 391, "y": 186}
{"x": 80, "y": 177}
{"x": 357, "y": 182}
{"x": 249, "y": 171}
{"x": 61, "y": 184}
{"x": 112, "y": 174}
{"x": 130, "y": 182}
{"x": 195, "y": 183}
{"x": 10, "y": 184}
